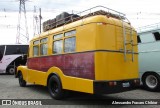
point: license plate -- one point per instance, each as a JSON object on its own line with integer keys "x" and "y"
{"x": 126, "y": 84}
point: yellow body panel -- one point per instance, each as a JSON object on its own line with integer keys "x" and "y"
{"x": 36, "y": 77}
{"x": 111, "y": 66}
{"x": 110, "y": 63}
{"x": 68, "y": 82}
{"x": 86, "y": 35}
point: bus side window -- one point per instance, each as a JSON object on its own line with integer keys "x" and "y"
{"x": 70, "y": 33}
{"x": 44, "y": 46}
{"x": 36, "y": 48}
{"x": 57, "y": 44}
{"x": 58, "y": 36}
{"x": 69, "y": 44}
{"x": 70, "y": 41}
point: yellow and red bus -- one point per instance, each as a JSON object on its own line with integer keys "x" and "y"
{"x": 95, "y": 53}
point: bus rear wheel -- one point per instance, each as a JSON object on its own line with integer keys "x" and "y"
{"x": 55, "y": 88}
{"x": 11, "y": 70}
{"x": 22, "y": 82}
{"x": 151, "y": 82}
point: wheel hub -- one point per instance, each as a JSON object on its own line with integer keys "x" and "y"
{"x": 11, "y": 70}
{"x": 151, "y": 81}
{"x": 54, "y": 87}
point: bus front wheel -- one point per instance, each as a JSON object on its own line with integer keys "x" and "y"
{"x": 151, "y": 82}
{"x": 22, "y": 82}
{"x": 55, "y": 87}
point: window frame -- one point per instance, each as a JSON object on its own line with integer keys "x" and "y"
{"x": 43, "y": 43}
{"x": 54, "y": 45}
{"x": 58, "y": 39}
{"x": 36, "y": 45}
{"x": 59, "y": 34}
{"x": 71, "y": 34}
{"x": 63, "y": 40}
{"x": 15, "y": 49}
{"x": 74, "y": 46}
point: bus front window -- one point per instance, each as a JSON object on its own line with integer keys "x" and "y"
{"x": 1, "y": 51}
{"x": 16, "y": 49}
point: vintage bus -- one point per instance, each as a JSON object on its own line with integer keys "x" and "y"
{"x": 149, "y": 56}
{"x": 95, "y": 53}
{"x": 12, "y": 56}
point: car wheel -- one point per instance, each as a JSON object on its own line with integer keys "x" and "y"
{"x": 11, "y": 70}
{"x": 151, "y": 82}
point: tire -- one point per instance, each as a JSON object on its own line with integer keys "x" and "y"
{"x": 151, "y": 82}
{"x": 22, "y": 82}
{"x": 55, "y": 88}
{"x": 11, "y": 70}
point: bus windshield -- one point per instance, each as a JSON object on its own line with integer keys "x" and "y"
{"x": 1, "y": 51}
{"x": 16, "y": 49}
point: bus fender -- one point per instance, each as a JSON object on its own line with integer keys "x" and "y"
{"x": 55, "y": 71}
{"x": 23, "y": 70}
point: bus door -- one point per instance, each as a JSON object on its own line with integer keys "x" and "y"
{"x": 2, "y": 51}
{"x": 2, "y": 48}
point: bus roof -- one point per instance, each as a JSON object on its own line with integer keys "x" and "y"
{"x": 148, "y": 28}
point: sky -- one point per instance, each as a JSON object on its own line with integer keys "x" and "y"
{"x": 139, "y": 12}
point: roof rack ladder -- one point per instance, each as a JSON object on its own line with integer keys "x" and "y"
{"x": 132, "y": 42}
{"x": 124, "y": 41}
{"x": 128, "y": 42}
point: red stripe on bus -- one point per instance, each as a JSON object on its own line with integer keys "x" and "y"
{"x": 78, "y": 65}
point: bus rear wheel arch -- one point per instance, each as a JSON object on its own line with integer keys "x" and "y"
{"x": 55, "y": 87}
{"x": 22, "y": 82}
{"x": 151, "y": 81}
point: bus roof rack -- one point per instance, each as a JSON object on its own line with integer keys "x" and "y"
{"x": 66, "y": 18}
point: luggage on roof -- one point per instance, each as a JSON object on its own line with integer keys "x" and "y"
{"x": 62, "y": 18}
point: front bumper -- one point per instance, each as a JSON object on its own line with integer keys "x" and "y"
{"x": 107, "y": 87}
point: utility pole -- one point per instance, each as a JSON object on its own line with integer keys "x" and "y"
{"x": 35, "y": 22}
{"x": 40, "y": 18}
{"x": 22, "y": 28}
{"x": 5, "y": 13}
